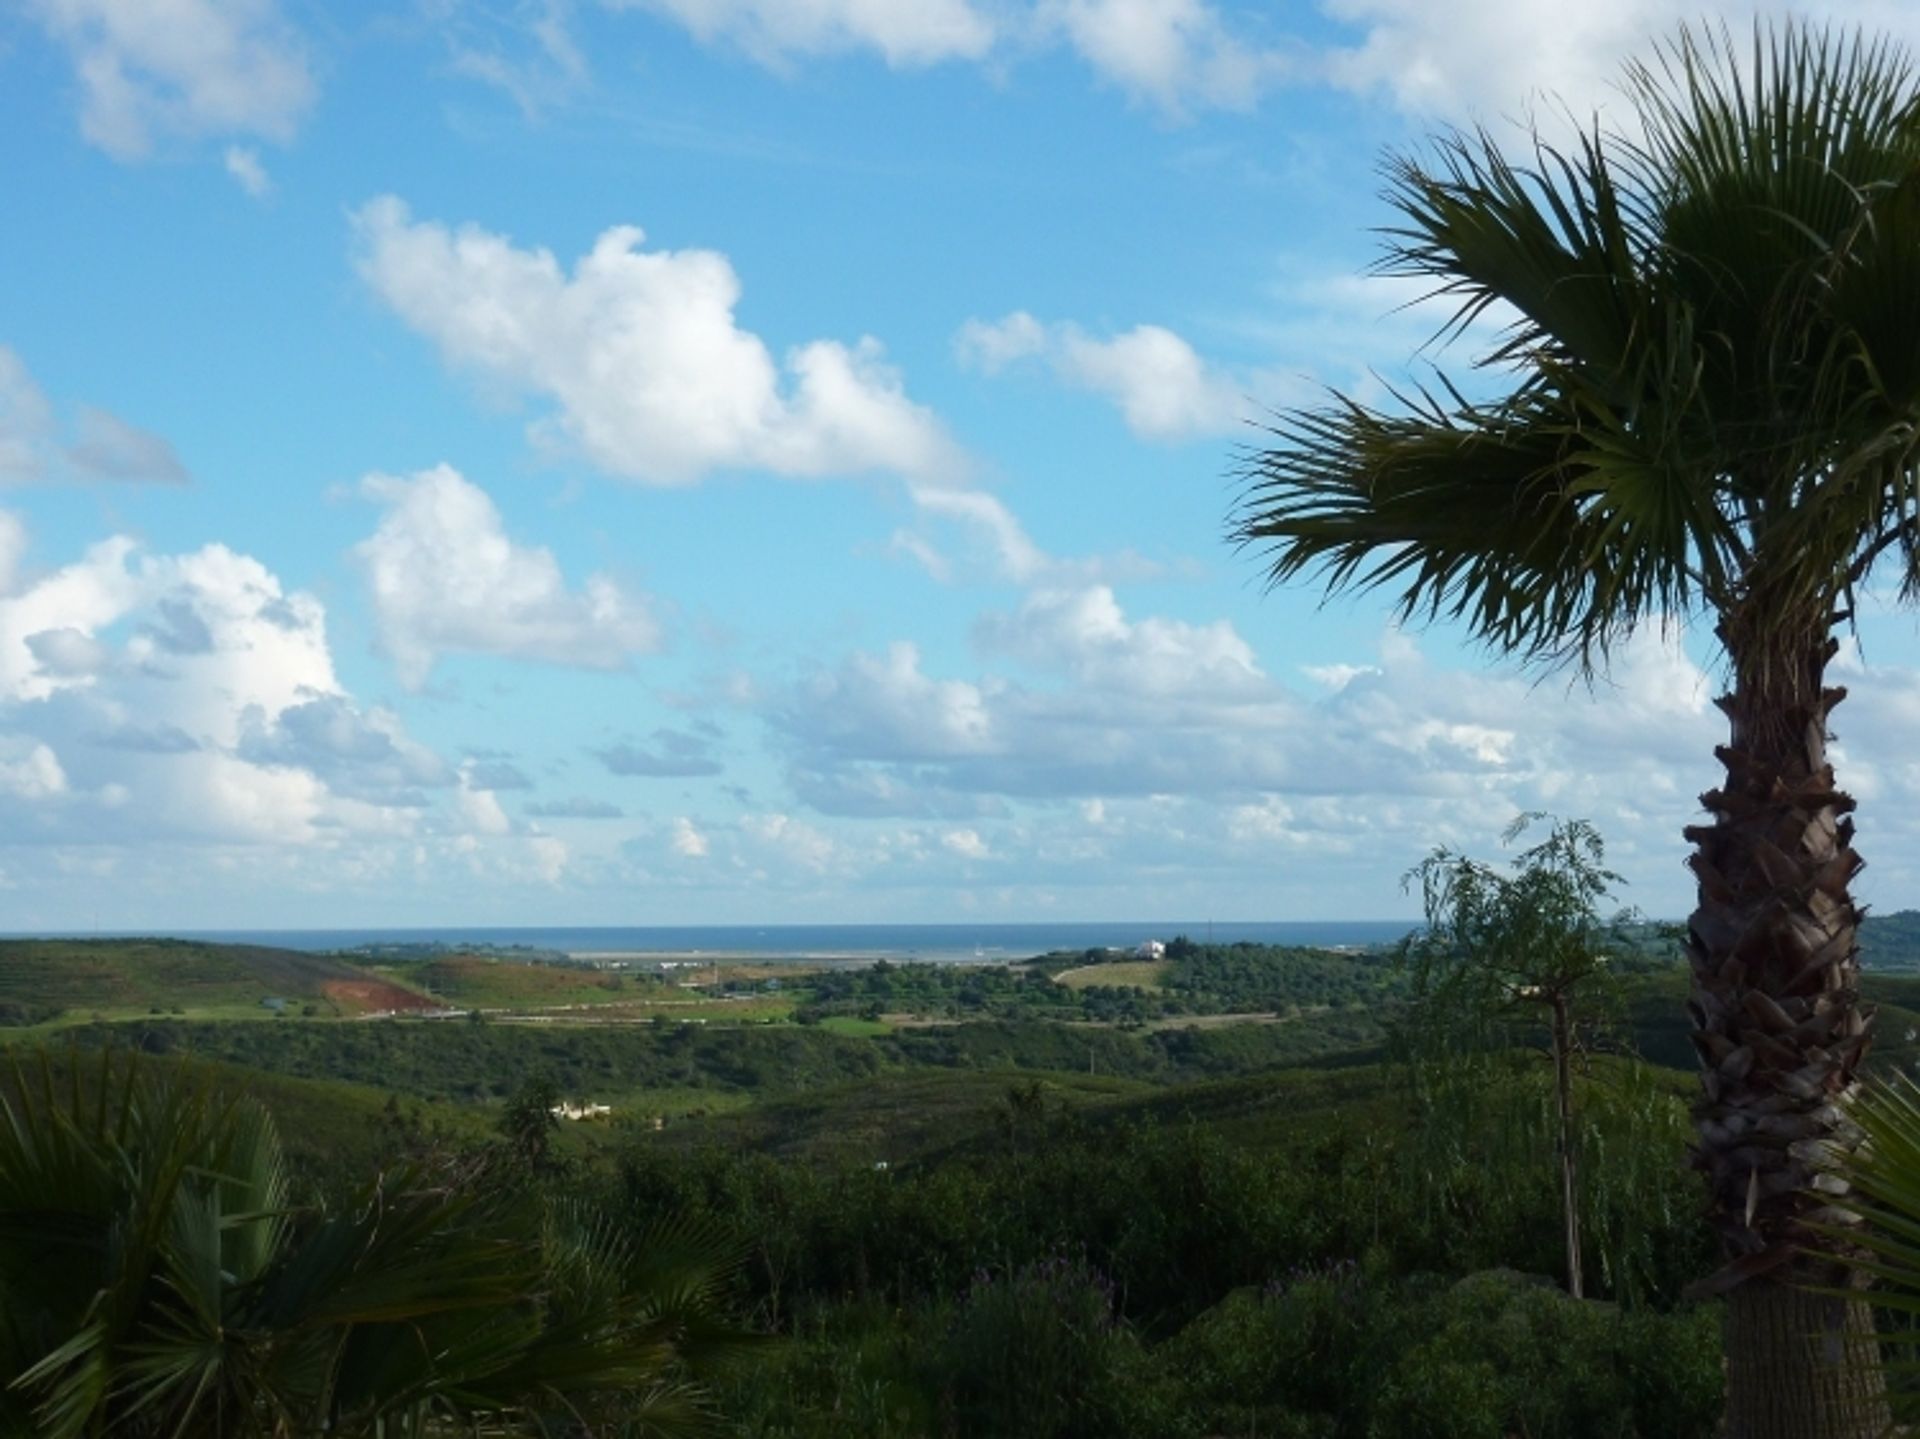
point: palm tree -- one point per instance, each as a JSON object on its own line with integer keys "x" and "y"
{"x": 1705, "y": 407}
{"x": 155, "y": 1280}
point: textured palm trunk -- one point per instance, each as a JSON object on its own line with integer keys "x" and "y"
{"x": 1781, "y": 1035}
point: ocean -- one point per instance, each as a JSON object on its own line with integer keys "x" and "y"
{"x": 941, "y": 942}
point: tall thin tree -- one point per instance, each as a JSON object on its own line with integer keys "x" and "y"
{"x": 1705, "y": 408}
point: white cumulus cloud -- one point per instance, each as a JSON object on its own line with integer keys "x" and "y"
{"x": 191, "y": 696}
{"x": 1085, "y": 634}
{"x": 885, "y": 706}
{"x": 30, "y": 770}
{"x": 446, "y": 577}
{"x": 687, "y": 840}
{"x": 1170, "y": 731}
{"x": 966, "y": 843}
{"x": 1162, "y": 386}
{"x": 1177, "y": 54}
{"x": 1498, "y": 60}
{"x": 150, "y": 71}
{"x": 639, "y": 351}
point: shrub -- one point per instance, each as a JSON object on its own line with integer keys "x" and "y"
{"x": 1036, "y": 1353}
{"x": 1349, "y": 1354}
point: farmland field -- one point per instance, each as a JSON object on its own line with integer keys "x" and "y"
{"x": 1145, "y": 973}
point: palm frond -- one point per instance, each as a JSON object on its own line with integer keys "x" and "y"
{"x": 1712, "y": 372}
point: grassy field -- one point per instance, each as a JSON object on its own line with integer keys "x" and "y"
{"x": 1140, "y": 973}
{"x": 854, "y": 1025}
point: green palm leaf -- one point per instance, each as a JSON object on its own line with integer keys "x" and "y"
{"x": 154, "y": 1281}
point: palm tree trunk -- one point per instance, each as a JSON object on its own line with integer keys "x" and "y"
{"x": 1781, "y": 1035}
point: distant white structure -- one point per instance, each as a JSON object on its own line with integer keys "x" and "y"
{"x": 567, "y": 1109}
{"x": 1152, "y": 949}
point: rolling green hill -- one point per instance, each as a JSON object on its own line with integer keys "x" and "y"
{"x": 41, "y": 979}
{"x": 336, "y": 1134}
{"x": 467, "y": 980}
{"x": 894, "y": 1117}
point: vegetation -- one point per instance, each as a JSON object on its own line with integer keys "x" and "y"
{"x": 1101, "y": 987}
{"x": 1253, "y": 1254}
{"x": 465, "y": 981}
{"x": 41, "y": 979}
{"x": 461, "y": 1062}
{"x": 1531, "y": 943}
{"x": 1705, "y": 407}
{"x": 954, "y": 1224}
{"x": 156, "y": 1277}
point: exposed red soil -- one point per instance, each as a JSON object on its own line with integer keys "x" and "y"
{"x": 368, "y": 996}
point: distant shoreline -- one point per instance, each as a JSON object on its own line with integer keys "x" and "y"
{"x": 817, "y": 943}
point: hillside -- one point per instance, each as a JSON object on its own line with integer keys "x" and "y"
{"x": 481, "y": 981}
{"x": 335, "y": 1133}
{"x": 42, "y": 979}
{"x": 894, "y": 1117}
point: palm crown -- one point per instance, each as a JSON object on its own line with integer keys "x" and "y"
{"x": 1713, "y": 363}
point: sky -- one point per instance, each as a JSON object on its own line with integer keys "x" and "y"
{"x": 752, "y": 461}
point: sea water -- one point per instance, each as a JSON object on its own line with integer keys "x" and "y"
{"x": 924, "y": 942}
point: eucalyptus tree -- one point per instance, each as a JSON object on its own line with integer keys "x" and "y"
{"x": 1703, "y": 409}
{"x": 1503, "y": 952}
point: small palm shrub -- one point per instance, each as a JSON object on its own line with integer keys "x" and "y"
{"x": 157, "y": 1279}
{"x": 1878, "y": 1221}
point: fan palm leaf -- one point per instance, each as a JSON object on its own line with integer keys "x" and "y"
{"x": 154, "y": 1281}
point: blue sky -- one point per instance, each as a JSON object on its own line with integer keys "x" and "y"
{"x": 752, "y": 460}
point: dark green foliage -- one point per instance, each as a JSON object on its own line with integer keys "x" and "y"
{"x": 528, "y": 1124}
{"x": 157, "y": 1278}
{"x": 1179, "y": 1206}
{"x": 456, "y": 1060}
{"x": 1332, "y": 1352}
{"x": 1247, "y": 1249}
{"x": 1031, "y": 1353}
{"x": 1344, "y": 1351}
{"x": 14, "y": 1014}
{"x": 466, "y": 1062}
{"x": 1202, "y": 979}
{"x": 1246, "y": 978}
{"x": 1519, "y": 957}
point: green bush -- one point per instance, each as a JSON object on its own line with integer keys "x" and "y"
{"x": 1349, "y": 1354}
{"x": 1037, "y": 1353}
